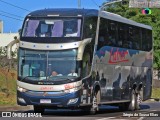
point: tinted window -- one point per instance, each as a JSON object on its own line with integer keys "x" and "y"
{"x": 146, "y": 40}
{"x": 108, "y": 34}
{"x": 90, "y": 26}
{"x": 116, "y": 34}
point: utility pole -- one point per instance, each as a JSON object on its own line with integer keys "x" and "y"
{"x": 79, "y": 3}
{"x": 108, "y": 3}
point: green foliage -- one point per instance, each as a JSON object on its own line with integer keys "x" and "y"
{"x": 155, "y": 93}
{"x": 3, "y": 51}
{"x": 136, "y": 15}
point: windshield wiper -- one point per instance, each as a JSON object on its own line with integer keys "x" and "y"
{"x": 70, "y": 79}
{"x": 27, "y": 77}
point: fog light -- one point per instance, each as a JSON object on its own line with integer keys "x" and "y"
{"x": 73, "y": 101}
{"x": 21, "y": 100}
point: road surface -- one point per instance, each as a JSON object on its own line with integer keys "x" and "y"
{"x": 149, "y": 111}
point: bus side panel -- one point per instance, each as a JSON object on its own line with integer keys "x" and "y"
{"x": 147, "y": 88}
{"x": 120, "y": 69}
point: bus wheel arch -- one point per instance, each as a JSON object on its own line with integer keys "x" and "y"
{"x": 129, "y": 105}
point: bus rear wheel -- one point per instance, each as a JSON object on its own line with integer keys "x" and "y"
{"x": 38, "y": 109}
{"x": 139, "y": 99}
{"x": 133, "y": 102}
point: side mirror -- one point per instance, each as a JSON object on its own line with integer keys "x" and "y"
{"x": 9, "y": 47}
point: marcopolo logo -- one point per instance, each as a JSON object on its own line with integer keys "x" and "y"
{"x": 146, "y": 11}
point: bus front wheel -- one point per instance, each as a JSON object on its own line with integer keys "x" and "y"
{"x": 38, "y": 109}
{"x": 95, "y": 102}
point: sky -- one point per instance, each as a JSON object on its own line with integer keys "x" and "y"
{"x": 12, "y": 12}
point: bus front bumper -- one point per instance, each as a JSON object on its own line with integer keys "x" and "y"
{"x": 49, "y": 99}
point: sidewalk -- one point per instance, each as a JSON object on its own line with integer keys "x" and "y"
{"x": 15, "y": 108}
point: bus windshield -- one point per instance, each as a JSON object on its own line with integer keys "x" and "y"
{"x": 57, "y": 27}
{"x": 50, "y": 65}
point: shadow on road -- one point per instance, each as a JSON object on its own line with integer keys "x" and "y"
{"x": 74, "y": 113}
{"x": 104, "y": 110}
{"x": 143, "y": 107}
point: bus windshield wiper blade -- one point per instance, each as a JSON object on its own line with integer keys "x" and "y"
{"x": 70, "y": 79}
{"x": 27, "y": 77}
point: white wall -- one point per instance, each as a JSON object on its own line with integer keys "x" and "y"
{"x": 6, "y": 38}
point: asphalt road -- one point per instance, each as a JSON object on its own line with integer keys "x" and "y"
{"x": 149, "y": 111}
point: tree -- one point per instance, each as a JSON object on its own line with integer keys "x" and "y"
{"x": 136, "y": 15}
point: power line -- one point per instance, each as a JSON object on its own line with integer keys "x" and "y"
{"x": 79, "y": 3}
{"x": 11, "y": 14}
{"x": 10, "y": 17}
{"x": 95, "y": 3}
{"x": 15, "y": 6}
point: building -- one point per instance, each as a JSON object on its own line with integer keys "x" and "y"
{"x": 6, "y": 38}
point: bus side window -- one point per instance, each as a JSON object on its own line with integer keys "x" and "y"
{"x": 103, "y": 33}
{"x": 89, "y": 30}
{"x": 146, "y": 40}
{"x": 149, "y": 40}
{"x": 121, "y": 34}
{"x": 112, "y": 33}
{"x": 136, "y": 38}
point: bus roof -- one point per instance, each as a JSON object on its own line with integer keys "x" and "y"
{"x": 64, "y": 12}
{"x": 84, "y": 12}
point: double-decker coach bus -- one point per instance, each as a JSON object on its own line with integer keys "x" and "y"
{"x": 68, "y": 58}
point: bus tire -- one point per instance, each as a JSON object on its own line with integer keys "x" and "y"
{"x": 96, "y": 100}
{"x": 132, "y": 103}
{"x": 138, "y": 100}
{"x": 38, "y": 109}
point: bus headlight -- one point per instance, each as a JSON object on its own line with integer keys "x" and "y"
{"x": 20, "y": 89}
{"x": 72, "y": 90}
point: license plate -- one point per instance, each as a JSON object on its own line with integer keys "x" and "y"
{"x": 45, "y": 100}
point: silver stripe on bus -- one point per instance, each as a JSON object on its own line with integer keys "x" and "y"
{"x": 52, "y": 88}
{"x": 49, "y": 46}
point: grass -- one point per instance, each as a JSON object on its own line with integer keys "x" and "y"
{"x": 155, "y": 93}
{"x": 7, "y": 87}
{"x": 7, "y": 100}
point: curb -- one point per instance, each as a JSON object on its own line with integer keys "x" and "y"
{"x": 154, "y": 99}
{"x": 15, "y": 108}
